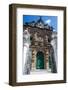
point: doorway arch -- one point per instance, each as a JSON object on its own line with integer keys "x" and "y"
{"x": 40, "y": 60}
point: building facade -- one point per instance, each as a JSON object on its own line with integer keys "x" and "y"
{"x": 41, "y": 45}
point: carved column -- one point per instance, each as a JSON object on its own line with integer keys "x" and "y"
{"x": 33, "y": 58}
{"x": 47, "y": 59}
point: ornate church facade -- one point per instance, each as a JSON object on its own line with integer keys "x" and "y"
{"x": 41, "y": 45}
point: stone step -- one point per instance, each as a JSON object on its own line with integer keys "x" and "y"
{"x": 40, "y": 71}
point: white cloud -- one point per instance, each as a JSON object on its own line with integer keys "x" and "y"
{"x": 54, "y": 29}
{"x": 48, "y": 21}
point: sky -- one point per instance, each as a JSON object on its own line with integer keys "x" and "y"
{"x": 51, "y": 20}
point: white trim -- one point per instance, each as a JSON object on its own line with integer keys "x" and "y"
{"x": 38, "y": 77}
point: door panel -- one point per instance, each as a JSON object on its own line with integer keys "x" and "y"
{"x": 40, "y": 60}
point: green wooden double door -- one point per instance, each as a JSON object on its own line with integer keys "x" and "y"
{"x": 40, "y": 60}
